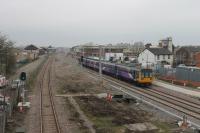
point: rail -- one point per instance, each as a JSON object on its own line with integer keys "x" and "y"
{"x": 48, "y": 120}
{"x": 186, "y": 107}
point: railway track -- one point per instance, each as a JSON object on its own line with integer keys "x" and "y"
{"x": 180, "y": 104}
{"x": 178, "y": 99}
{"x": 48, "y": 117}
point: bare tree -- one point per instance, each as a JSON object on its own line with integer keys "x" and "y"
{"x": 7, "y": 57}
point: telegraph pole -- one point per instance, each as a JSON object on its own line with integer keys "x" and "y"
{"x": 82, "y": 56}
{"x": 100, "y": 64}
{"x": 83, "y": 51}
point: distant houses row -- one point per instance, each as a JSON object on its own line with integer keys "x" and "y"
{"x": 31, "y": 52}
{"x": 164, "y": 53}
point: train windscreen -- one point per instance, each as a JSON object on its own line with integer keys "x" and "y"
{"x": 146, "y": 73}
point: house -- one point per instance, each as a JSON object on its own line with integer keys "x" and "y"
{"x": 113, "y": 56}
{"x": 197, "y": 59}
{"x": 155, "y": 56}
{"x": 187, "y": 55}
{"x": 167, "y": 43}
{"x": 159, "y": 55}
{"x": 42, "y": 50}
{"x": 32, "y": 52}
{"x": 51, "y": 49}
{"x": 133, "y": 50}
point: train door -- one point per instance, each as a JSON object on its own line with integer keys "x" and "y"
{"x": 133, "y": 73}
{"x": 138, "y": 75}
{"x": 116, "y": 71}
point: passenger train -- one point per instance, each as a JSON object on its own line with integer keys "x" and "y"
{"x": 137, "y": 75}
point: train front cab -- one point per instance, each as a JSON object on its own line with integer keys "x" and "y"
{"x": 145, "y": 77}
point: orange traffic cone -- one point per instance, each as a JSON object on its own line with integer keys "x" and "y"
{"x": 109, "y": 97}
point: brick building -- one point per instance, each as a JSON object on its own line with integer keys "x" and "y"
{"x": 187, "y": 55}
{"x": 32, "y": 52}
{"x": 93, "y": 50}
{"x": 197, "y": 59}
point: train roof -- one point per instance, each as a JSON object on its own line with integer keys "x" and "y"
{"x": 123, "y": 66}
{"x": 128, "y": 68}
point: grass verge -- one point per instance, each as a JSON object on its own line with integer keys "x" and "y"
{"x": 30, "y": 83}
{"x": 75, "y": 117}
{"x": 110, "y": 117}
{"x": 164, "y": 127}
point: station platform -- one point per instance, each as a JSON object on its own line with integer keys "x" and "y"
{"x": 185, "y": 90}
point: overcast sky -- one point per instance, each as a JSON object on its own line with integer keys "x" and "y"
{"x": 72, "y": 22}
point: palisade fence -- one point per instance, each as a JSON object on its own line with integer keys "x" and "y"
{"x": 188, "y": 73}
{"x": 166, "y": 72}
{"x": 2, "y": 122}
{"x": 179, "y": 73}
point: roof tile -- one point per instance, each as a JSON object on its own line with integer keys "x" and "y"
{"x": 159, "y": 51}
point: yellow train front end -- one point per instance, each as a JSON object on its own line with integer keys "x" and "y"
{"x": 145, "y": 77}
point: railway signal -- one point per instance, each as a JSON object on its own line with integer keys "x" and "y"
{"x": 23, "y": 76}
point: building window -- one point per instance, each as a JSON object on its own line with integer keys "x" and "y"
{"x": 168, "y": 56}
{"x": 158, "y": 57}
{"x": 163, "y": 57}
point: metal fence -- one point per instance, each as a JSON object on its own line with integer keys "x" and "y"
{"x": 180, "y": 73}
{"x": 188, "y": 73}
{"x": 2, "y": 122}
{"x": 13, "y": 98}
{"x": 166, "y": 72}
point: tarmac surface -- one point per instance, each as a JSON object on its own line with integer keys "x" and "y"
{"x": 184, "y": 90}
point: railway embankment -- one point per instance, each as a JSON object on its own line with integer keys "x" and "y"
{"x": 17, "y": 119}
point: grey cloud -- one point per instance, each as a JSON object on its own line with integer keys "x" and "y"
{"x": 69, "y": 22}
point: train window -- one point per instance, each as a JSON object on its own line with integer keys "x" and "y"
{"x": 145, "y": 74}
{"x": 150, "y": 74}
